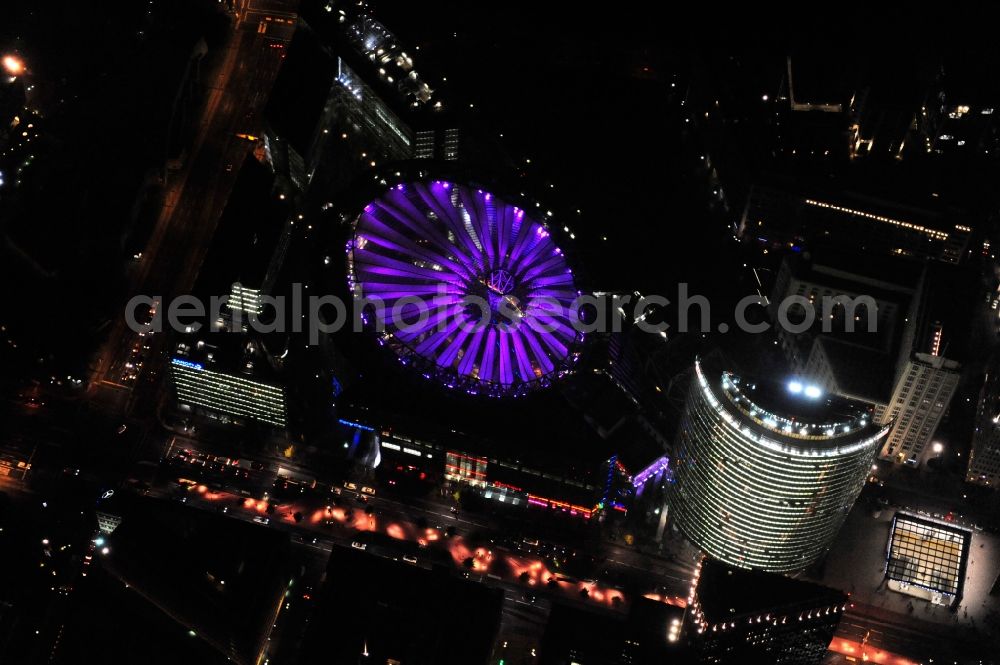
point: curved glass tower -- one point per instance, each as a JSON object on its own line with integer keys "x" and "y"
{"x": 765, "y": 475}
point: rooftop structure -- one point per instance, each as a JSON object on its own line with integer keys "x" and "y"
{"x": 471, "y": 290}
{"x": 227, "y": 377}
{"x": 774, "y": 217}
{"x": 743, "y": 616}
{"x": 399, "y": 613}
{"x": 221, "y": 578}
{"x": 927, "y": 559}
{"x": 874, "y": 299}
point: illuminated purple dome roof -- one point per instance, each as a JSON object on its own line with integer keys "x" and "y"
{"x": 476, "y": 294}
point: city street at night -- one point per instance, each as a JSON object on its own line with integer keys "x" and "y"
{"x": 384, "y": 333}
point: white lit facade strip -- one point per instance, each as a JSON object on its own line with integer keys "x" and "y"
{"x": 933, "y": 233}
{"x": 227, "y": 394}
{"x": 770, "y": 502}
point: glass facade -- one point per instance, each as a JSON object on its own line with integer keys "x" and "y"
{"x": 465, "y": 469}
{"x": 357, "y": 105}
{"x": 760, "y": 489}
{"x": 926, "y": 555}
{"x": 232, "y": 395}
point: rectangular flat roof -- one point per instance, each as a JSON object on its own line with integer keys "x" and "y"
{"x": 927, "y": 554}
{"x": 727, "y": 592}
{"x": 397, "y": 612}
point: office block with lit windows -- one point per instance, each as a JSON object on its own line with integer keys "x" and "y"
{"x": 228, "y": 380}
{"x": 984, "y": 460}
{"x": 748, "y": 616}
{"x": 765, "y": 473}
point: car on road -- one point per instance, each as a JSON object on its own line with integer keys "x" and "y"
{"x": 260, "y": 519}
{"x": 358, "y": 545}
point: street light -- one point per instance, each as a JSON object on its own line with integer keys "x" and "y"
{"x": 13, "y": 64}
{"x": 938, "y": 448}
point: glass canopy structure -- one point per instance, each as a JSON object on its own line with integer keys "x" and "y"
{"x": 468, "y": 289}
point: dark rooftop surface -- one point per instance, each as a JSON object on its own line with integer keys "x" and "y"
{"x": 231, "y": 353}
{"x": 727, "y": 592}
{"x": 819, "y": 81}
{"x": 574, "y": 634}
{"x": 221, "y": 576}
{"x": 300, "y": 90}
{"x": 860, "y": 371}
{"x": 888, "y": 277}
{"x": 949, "y": 299}
{"x": 398, "y": 611}
{"x": 113, "y": 624}
{"x": 247, "y": 234}
{"x": 540, "y": 427}
{"x": 889, "y": 281}
{"x": 590, "y": 636}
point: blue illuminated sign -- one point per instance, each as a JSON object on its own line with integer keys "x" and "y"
{"x": 348, "y": 423}
{"x": 186, "y": 363}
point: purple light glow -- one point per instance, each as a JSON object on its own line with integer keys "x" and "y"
{"x": 427, "y": 239}
{"x": 659, "y": 465}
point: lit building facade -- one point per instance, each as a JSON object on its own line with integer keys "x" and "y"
{"x": 903, "y": 364}
{"x": 228, "y": 395}
{"x": 505, "y": 480}
{"x": 984, "y": 460}
{"x": 918, "y": 403}
{"x": 764, "y": 477}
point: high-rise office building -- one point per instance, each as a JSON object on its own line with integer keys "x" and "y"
{"x": 748, "y": 616}
{"x": 226, "y": 386}
{"x": 918, "y": 403}
{"x": 871, "y": 320}
{"x": 927, "y": 373}
{"x": 984, "y": 460}
{"x": 904, "y": 365}
{"x": 765, "y": 474}
{"x": 352, "y": 97}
